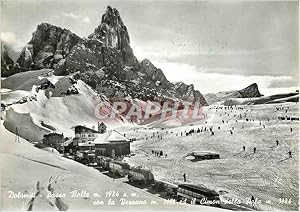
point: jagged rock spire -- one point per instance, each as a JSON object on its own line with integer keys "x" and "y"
{"x": 112, "y": 31}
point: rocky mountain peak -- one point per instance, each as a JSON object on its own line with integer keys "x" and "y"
{"x": 112, "y": 31}
{"x": 49, "y": 44}
{"x": 53, "y": 39}
{"x": 250, "y": 91}
{"x": 112, "y": 18}
{"x": 104, "y": 60}
{"x": 45, "y": 27}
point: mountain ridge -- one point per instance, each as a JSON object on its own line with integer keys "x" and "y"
{"x": 250, "y": 91}
{"x": 48, "y": 46}
{"x": 7, "y": 62}
{"x": 104, "y": 60}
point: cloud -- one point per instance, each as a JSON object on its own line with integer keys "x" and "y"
{"x": 245, "y": 52}
{"x": 8, "y": 37}
{"x": 283, "y": 82}
{"x": 82, "y": 19}
{"x": 213, "y": 81}
{"x": 70, "y": 15}
{"x": 86, "y": 20}
{"x": 156, "y": 50}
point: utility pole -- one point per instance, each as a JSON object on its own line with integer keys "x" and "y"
{"x": 113, "y": 153}
{"x": 17, "y": 136}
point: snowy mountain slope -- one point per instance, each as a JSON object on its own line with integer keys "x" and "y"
{"x": 26, "y": 80}
{"x": 52, "y": 106}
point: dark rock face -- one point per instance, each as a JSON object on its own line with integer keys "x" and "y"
{"x": 104, "y": 60}
{"x": 113, "y": 33}
{"x": 154, "y": 74}
{"x": 250, "y": 91}
{"x": 6, "y": 62}
{"x": 108, "y": 46}
{"x": 48, "y": 46}
{"x": 187, "y": 92}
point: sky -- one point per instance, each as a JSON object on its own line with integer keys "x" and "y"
{"x": 215, "y": 45}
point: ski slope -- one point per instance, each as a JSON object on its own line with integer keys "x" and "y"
{"x": 268, "y": 175}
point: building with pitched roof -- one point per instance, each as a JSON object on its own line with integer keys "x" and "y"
{"x": 53, "y": 139}
{"x": 112, "y": 144}
{"x": 86, "y": 135}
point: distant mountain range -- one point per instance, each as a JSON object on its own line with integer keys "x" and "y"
{"x": 248, "y": 92}
{"x": 272, "y": 99}
{"x": 250, "y": 95}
